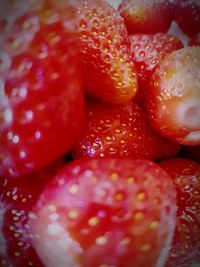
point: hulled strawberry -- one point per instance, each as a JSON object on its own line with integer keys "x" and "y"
{"x": 107, "y": 67}
{"x": 194, "y": 40}
{"x": 146, "y": 16}
{"x": 105, "y": 212}
{"x": 41, "y": 107}
{"x": 173, "y": 96}
{"x": 121, "y": 131}
{"x": 185, "y": 248}
{"x": 17, "y": 198}
{"x": 187, "y": 15}
{"x": 146, "y": 51}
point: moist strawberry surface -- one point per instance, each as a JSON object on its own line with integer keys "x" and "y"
{"x": 17, "y": 198}
{"x": 146, "y": 52}
{"x": 173, "y": 96}
{"x": 121, "y": 131}
{"x": 187, "y": 14}
{"x": 185, "y": 248}
{"x": 146, "y": 16}
{"x": 105, "y": 212}
{"x": 41, "y": 107}
{"x": 194, "y": 40}
{"x": 108, "y": 70}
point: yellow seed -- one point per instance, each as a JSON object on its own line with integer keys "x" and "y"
{"x": 126, "y": 241}
{"x": 117, "y": 131}
{"x": 118, "y": 196}
{"x": 73, "y": 189}
{"x": 15, "y": 197}
{"x": 20, "y": 244}
{"x": 93, "y": 221}
{"x": 16, "y": 235}
{"x": 73, "y": 214}
{"x": 145, "y": 248}
{"x": 154, "y": 225}
{"x": 17, "y": 254}
{"x": 114, "y": 176}
{"x": 52, "y": 208}
{"x": 138, "y": 215}
{"x": 140, "y": 196}
{"x": 101, "y": 240}
{"x": 130, "y": 180}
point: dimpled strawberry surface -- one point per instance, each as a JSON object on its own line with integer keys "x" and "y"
{"x": 99, "y": 133}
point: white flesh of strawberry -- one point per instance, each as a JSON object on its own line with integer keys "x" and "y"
{"x": 53, "y": 242}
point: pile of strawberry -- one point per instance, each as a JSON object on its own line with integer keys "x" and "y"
{"x": 99, "y": 134}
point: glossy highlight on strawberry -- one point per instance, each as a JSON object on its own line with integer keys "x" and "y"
{"x": 108, "y": 70}
{"x": 41, "y": 107}
{"x": 17, "y": 198}
{"x": 185, "y": 248}
{"x": 147, "y": 50}
{"x": 187, "y": 14}
{"x": 146, "y": 16}
{"x": 173, "y": 96}
{"x": 121, "y": 131}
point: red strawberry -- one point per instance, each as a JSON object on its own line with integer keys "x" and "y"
{"x": 173, "y": 97}
{"x": 16, "y": 200}
{"x": 146, "y": 16}
{"x": 4, "y": 260}
{"x": 121, "y": 131}
{"x": 185, "y": 248}
{"x": 147, "y": 50}
{"x": 105, "y": 212}
{"x": 107, "y": 67}
{"x": 187, "y": 15}
{"x": 195, "y": 40}
{"x": 41, "y": 108}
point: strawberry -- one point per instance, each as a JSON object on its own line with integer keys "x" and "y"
{"x": 146, "y": 51}
{"x": 105, "y": 212}
{"x": 16, "y": 200}
{"x": 194, "y": 40}
{"x": 107, "y": 67}
{"x": 173, "y": 96}
{"x": 41, "y": 108}
{"x": 185, "y": 248}
{"x": 146, "y": 16}
{"x": 121, "y": 131}
{"x": 187, "y": 14}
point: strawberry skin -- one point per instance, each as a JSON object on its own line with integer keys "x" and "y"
{"x": 146, "y": 16}
{"x": 173, "y": 96}
{"x": 41, "y": 108}
{"x": 16, "y": 200}
{"x": 187, "y": 15}
{"x": 146, "y": 51}
{"x": 108, "y": 70}
{"x": 185, "y": 248}
{"x": 194, "y": 40}
{"x": 105, "y": 212}
{"x": 121, "y": 131}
